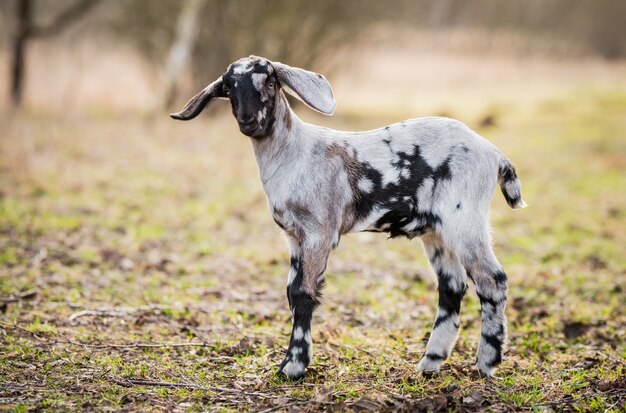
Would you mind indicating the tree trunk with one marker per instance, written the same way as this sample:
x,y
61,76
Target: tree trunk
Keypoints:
x,y
26,30
186,33
20,36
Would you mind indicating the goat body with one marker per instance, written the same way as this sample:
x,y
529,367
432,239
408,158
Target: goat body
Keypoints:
x,y
429,177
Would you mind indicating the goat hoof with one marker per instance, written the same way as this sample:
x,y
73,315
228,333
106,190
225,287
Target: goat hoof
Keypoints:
x,y
428,366
291,370
488,373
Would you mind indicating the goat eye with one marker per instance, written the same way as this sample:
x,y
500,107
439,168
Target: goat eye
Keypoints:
x,y
270,85
226,90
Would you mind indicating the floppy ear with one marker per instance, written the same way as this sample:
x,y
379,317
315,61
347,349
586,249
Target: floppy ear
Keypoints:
x,y
200,101
309,87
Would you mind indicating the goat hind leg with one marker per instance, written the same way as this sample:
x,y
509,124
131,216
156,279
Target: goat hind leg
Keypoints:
x,y
491,287
452,285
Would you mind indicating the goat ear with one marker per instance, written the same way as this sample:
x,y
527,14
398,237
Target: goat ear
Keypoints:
x,y
309,87
200,101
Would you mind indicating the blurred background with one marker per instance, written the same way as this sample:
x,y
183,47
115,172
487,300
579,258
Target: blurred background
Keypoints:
x,y
119,224
422,53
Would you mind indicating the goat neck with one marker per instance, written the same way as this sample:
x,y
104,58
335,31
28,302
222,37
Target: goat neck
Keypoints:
x,y
285,146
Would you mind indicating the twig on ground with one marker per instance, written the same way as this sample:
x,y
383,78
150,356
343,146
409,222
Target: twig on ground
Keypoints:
x,y
23,388
140,345
32,333
284,406
140,382
293,401
349,347
104,345
116,311
26,295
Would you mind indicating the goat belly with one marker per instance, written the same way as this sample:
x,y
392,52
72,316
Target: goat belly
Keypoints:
x,y
398,218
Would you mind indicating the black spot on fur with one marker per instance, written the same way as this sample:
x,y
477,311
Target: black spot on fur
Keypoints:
x,y
510,200
496,341
399,198
500,278
435,356
279,224
449,298
436,256
458,206
507,174
484,301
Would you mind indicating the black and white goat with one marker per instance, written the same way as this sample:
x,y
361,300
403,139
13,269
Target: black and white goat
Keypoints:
x,y
429,177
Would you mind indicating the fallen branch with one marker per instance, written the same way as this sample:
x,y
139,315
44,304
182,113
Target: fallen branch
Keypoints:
x,y
136,345
26,295
117,311
293,401
283,406
23,388
105,345
140,382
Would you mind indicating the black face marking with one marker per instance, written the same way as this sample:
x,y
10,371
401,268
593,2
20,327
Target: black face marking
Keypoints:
x,y
402,209
247,102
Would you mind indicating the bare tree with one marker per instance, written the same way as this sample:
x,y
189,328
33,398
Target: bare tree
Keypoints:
x,y
180,52
301,32
26,30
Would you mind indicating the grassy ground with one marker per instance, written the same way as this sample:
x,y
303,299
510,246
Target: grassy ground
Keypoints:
x,y
140,269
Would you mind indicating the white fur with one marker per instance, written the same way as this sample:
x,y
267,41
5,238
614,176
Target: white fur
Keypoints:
x,y
298,334
293,368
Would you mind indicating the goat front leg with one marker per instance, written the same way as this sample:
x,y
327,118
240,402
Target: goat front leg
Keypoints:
x,y
306,279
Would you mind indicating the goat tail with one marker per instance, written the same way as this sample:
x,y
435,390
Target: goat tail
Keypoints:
x,y
510,185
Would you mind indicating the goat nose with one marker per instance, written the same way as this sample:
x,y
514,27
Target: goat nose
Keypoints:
x,y
246,119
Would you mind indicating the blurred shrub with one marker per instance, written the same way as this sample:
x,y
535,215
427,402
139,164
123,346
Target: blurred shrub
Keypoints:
x,y
596,26
299,32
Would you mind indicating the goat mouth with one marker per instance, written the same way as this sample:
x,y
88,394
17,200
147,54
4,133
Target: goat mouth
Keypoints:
x,y
249,129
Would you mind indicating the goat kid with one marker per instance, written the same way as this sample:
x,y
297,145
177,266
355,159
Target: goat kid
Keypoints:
x,y
429,177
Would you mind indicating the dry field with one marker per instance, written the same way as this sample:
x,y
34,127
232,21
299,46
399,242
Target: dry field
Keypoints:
x,y
141,270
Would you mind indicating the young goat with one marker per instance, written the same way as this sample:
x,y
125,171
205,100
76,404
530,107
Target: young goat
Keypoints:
x,y
429,177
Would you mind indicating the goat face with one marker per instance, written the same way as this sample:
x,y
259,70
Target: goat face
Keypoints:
x,y
251,85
